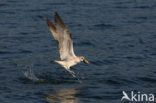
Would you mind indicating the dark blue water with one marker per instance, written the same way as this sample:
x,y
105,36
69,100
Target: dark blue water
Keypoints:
x,y
118,37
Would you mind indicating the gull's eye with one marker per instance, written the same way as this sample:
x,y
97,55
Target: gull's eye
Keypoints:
x,y
81,58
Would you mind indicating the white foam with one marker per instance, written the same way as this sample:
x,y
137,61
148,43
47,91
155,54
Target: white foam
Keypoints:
x,y
30,74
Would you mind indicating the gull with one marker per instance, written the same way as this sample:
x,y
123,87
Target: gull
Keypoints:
x,y
65,44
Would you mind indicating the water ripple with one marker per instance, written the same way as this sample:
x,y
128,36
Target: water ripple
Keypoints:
x,y
148,79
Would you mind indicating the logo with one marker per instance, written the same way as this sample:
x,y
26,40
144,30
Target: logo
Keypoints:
x,y
137,97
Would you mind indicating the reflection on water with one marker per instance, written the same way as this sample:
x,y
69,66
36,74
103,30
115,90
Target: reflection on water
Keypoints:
x,y
63,95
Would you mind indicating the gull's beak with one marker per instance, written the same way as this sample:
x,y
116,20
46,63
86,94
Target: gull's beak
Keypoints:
x,y
85,61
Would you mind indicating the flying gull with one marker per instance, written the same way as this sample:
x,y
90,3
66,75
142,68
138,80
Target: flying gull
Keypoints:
x,y
65,44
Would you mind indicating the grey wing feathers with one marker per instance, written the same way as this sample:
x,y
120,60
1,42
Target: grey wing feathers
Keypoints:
x,y
63,36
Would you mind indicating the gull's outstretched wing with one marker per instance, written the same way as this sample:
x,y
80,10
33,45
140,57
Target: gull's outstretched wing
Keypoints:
x,y
63,36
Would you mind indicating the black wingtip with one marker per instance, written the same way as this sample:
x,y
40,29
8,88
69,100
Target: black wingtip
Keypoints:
x,y
50,24
48,21
47,18
57,16
58,20
56,13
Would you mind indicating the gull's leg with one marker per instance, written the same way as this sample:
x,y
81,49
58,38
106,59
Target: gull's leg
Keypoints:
x,y
71,72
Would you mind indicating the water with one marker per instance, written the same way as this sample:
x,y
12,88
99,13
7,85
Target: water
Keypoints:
x,y
116,36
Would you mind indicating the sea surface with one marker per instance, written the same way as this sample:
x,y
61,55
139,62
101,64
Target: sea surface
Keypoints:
x,y
117,37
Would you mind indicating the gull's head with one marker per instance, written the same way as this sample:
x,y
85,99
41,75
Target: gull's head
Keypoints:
x,y
83,59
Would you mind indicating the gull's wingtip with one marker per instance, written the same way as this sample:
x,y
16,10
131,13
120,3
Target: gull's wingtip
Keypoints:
x,y
47,20
56,13
57,17
50,24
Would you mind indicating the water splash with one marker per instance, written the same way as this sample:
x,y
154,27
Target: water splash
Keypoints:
x,y
28,73
78,80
